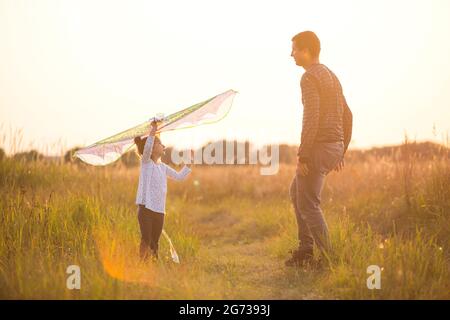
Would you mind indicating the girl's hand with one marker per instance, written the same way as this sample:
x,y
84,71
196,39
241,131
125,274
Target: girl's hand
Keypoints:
x,y
154,126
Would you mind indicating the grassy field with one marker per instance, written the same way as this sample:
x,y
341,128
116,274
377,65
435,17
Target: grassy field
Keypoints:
x,y
232,229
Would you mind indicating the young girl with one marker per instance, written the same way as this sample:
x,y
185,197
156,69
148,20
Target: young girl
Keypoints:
x,y
152,189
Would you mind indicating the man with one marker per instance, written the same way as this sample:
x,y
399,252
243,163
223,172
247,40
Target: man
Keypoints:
x,y
326,134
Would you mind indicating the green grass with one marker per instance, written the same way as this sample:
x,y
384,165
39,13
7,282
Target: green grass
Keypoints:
x,y
232,229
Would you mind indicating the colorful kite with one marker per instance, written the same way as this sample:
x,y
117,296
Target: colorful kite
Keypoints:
x,y
110,149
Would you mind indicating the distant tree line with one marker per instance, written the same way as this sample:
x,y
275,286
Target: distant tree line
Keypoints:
x,y
287,153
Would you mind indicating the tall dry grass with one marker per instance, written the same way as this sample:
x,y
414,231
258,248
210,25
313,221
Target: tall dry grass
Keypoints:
x,y
232,229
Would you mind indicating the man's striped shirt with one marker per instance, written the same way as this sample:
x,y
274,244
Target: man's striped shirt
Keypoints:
x,y
326,115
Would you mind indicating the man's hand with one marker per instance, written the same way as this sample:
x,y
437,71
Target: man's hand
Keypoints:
x,y
339,166
302,168
153,129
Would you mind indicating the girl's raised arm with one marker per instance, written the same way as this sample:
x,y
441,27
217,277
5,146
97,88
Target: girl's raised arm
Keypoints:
x,y
146,155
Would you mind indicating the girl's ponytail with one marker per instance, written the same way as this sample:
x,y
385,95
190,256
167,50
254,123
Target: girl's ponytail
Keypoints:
x,y
140,143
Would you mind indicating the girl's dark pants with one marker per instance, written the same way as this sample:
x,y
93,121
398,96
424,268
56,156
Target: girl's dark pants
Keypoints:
x,y
151,225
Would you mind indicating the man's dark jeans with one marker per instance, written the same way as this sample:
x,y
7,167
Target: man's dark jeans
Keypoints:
x,y
305,194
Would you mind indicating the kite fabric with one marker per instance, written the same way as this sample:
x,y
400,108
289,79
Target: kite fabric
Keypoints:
x,y
110,149
173,253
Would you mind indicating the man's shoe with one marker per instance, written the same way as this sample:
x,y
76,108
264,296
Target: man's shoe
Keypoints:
x,y
300,257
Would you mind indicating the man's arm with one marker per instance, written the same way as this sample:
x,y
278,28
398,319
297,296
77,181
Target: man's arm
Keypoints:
x,y
347,120
310,125
347,123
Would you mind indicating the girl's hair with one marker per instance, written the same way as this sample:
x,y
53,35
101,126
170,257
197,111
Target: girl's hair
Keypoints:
x,y
140,143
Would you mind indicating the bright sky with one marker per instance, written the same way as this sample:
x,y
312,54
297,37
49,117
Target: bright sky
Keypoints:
x,y
75,72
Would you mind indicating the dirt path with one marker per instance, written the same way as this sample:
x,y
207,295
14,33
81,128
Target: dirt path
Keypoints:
x,y
247,264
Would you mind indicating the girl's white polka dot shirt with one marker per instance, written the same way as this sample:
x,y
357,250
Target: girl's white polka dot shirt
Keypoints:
x,y
152,188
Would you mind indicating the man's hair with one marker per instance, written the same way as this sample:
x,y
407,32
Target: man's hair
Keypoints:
x,y
308,40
